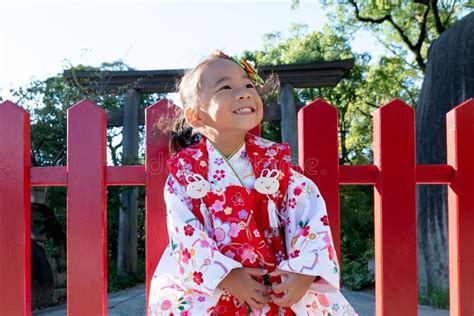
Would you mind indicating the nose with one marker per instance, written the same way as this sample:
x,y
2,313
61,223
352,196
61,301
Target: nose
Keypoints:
x,y
243,94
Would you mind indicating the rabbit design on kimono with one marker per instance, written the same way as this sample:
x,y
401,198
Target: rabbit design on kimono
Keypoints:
x,y
267,184
197,188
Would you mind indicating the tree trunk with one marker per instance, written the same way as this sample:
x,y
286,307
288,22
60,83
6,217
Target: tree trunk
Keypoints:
x,y
449,81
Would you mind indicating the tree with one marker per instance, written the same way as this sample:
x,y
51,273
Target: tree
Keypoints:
x,y
367,87
47,102
407,30
403,27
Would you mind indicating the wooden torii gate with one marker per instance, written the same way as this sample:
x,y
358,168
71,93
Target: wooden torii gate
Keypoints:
x,y
308,75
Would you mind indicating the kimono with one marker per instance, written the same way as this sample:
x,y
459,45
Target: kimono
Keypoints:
x,y
249,210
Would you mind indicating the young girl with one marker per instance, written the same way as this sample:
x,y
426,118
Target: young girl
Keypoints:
x,y
248,235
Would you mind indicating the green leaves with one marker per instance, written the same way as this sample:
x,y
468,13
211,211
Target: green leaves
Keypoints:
x,y
406,28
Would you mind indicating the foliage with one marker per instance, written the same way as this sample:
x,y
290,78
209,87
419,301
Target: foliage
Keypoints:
x,y
405,28
48,102
368,86
355,275
436,297
116,282
357,243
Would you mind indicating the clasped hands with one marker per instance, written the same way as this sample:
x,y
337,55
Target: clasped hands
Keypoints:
x,y
240,283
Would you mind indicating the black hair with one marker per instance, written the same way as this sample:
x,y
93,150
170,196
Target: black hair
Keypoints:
x,y
181,134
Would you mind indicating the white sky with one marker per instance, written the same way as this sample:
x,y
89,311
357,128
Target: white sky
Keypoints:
x,y
38,37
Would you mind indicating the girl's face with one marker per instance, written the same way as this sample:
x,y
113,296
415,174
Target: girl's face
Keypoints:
x,y
229,101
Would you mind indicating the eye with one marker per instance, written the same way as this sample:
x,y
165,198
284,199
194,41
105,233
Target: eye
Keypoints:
x,y
225,87
250,86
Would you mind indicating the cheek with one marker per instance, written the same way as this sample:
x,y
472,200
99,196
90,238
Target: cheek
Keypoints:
x,y
213,109
219,110
259,101
260,110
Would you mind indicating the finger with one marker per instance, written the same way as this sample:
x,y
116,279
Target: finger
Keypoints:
x,y
278,272
254,304
259,297
256,272
281,301
268,290
259,286
293,298
282,287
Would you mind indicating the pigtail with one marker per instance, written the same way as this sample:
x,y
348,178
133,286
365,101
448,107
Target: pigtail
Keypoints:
x,y
182,135
174,125
270,86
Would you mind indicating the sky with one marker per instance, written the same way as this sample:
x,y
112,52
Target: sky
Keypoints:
x,y
39,39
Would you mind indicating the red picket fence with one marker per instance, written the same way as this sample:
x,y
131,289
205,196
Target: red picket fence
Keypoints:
x,y
394,176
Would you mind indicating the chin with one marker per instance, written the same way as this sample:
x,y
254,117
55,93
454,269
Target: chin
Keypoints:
x,y
249,125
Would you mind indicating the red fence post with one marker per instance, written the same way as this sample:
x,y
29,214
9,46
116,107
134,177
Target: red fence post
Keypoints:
x,y
156,155
395,210
86,210
15,242
460,155
318,155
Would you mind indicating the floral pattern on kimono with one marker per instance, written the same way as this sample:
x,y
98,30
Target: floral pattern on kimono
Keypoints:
x,y
186,278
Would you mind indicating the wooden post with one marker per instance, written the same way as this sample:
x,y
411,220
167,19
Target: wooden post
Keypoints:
x,y
86,210
289,132
127,235
460,154
156,155
396,291
319,157
15,214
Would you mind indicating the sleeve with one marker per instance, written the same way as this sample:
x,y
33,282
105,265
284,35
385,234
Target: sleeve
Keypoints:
x,y
308,235
200,264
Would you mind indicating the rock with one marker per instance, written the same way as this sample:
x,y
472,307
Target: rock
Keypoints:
x,y
449,81
41,278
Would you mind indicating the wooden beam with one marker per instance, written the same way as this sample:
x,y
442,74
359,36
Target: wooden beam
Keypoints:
x,y
309,75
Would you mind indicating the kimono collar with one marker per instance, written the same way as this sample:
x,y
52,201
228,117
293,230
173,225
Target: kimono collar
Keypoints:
x,y
261,153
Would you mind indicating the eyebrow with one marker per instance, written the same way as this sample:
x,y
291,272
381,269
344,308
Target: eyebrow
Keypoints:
x,y
228,78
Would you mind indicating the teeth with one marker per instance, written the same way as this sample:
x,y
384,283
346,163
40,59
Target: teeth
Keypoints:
x,y
244,110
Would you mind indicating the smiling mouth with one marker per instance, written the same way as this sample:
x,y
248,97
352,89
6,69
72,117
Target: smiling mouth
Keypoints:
x,y
244,110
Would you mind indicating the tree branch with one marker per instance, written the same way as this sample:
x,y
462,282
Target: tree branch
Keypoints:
x,y
364,113
410,95
403,59
113,151
34,162
449,14
372,104
413,47
439,26
59,155
421,38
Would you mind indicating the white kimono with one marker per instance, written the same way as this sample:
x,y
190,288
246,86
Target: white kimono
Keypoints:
x,y
178,289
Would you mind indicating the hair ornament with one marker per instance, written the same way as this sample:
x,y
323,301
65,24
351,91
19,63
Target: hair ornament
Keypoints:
x,y
245,64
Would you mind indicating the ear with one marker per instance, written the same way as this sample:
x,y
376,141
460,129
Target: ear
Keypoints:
x,y
277,173
193,117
